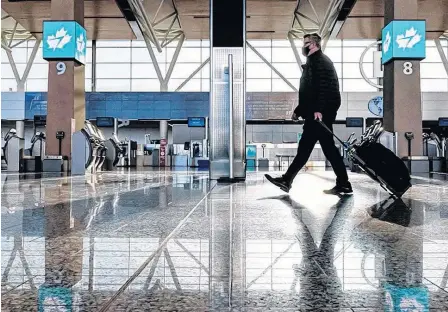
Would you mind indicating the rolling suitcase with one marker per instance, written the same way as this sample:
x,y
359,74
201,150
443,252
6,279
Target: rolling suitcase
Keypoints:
x,y
377,161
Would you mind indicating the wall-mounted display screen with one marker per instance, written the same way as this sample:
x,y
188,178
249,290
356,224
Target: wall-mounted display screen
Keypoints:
x,y
104,121
354,122
40,120
196,122
443,122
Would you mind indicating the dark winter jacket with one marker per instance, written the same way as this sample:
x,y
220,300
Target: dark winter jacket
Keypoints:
x,y
319,87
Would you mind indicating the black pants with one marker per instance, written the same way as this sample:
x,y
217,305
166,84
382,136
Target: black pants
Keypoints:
x,y
313,131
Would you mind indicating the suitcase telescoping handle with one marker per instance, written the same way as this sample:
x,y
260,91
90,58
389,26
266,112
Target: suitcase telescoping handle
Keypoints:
x,y
337,138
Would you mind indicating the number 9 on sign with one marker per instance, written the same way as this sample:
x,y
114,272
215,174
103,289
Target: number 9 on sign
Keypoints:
x,y
61,67
407,68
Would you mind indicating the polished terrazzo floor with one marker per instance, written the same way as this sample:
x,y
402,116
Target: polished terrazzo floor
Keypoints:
x,y
174,241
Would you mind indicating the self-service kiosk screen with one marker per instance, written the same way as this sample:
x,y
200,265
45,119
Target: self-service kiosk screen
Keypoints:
x,y
104,121
40,120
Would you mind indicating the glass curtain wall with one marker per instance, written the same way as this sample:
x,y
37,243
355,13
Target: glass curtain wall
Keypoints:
x,y
127,66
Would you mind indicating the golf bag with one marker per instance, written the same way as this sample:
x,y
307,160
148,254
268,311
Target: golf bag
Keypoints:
x,y
377,161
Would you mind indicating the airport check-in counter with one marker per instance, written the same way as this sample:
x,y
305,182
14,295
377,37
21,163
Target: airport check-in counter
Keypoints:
x,y
281,155
276,144
10,151
190,146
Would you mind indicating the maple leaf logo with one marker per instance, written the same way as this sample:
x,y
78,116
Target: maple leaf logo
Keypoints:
x,y
409,39
59,40
80,44
386,43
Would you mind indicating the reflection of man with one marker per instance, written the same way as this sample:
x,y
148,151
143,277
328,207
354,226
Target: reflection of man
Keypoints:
x,y
319,99
320,286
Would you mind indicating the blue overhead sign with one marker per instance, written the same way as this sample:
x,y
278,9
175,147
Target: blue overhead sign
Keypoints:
x,y
64,40
404,39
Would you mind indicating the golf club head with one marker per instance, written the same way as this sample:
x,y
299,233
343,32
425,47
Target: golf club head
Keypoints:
x,y
434,136
350,137
378,133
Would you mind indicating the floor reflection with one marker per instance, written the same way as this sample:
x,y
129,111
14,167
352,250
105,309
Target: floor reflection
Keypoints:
x,y
175,241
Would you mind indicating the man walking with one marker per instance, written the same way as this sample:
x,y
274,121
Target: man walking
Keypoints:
x,y
319,100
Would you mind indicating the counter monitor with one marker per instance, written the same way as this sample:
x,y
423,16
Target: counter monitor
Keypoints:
x,y
196,122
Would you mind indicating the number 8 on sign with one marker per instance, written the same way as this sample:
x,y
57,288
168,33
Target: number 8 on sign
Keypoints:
x,y
61,67
407,68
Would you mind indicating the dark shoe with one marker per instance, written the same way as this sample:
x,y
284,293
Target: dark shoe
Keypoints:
x,y
280,182
340,190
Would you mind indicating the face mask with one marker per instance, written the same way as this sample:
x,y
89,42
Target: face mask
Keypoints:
x,y
306,50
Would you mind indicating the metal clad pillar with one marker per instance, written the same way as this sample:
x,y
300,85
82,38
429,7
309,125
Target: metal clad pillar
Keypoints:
x,y
402,92
227,90
66,84
163,126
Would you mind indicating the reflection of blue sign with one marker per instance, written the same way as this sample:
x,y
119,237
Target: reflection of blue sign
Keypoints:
x,y
55,299
251,152
64,40
404,39
376,106
299,136
404,299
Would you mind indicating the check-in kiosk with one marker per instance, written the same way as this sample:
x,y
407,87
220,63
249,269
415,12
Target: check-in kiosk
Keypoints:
x,y
356,126
114,152
198,148
151,153
11,151
129,159
436,166
32,157
99,148
86,144
101,156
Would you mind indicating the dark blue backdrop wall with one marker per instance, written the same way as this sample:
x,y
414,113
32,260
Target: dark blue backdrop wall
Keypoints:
x,y
166,105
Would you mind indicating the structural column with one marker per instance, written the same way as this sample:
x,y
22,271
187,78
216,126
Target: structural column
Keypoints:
x,y
227,90
66,86
402,92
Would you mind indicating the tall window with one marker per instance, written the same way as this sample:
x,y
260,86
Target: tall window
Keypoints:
x,y
126,66
38,76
